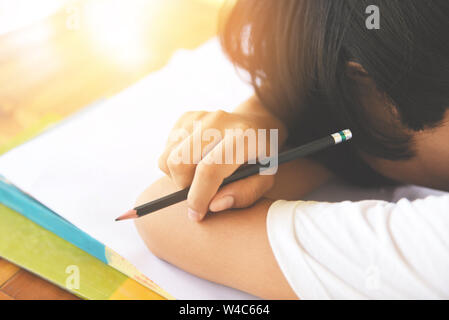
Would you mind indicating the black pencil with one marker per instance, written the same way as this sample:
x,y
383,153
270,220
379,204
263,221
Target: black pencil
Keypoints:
x,y
242,173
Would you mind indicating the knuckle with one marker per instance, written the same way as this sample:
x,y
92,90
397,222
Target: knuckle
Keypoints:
x,y
200,114
205,171
174,165
193,115
243,125
187,114
162,164
218,115
180,173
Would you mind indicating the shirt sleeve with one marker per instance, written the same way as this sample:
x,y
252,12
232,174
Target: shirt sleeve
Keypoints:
x,y
363,250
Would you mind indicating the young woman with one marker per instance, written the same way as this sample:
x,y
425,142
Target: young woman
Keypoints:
x,y
317,69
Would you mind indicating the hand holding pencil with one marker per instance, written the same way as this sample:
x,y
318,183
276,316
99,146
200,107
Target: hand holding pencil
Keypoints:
x,y
203,179
246,172
208,184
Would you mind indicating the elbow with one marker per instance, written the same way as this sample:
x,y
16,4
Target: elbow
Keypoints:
x,y
162,231
150,233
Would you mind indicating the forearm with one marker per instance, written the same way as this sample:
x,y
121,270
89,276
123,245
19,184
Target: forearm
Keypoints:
x,y
217,249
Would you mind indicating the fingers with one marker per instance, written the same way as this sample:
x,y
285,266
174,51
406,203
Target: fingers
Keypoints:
x,y
209,175
197,156
184,158
181,170
206,182
241,194
176,138
194,136
211,172
180,132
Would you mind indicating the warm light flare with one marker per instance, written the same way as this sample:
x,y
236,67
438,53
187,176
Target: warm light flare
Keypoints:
x,y
117,28
16,14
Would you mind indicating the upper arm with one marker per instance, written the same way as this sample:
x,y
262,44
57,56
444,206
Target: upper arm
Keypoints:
x,y
369,249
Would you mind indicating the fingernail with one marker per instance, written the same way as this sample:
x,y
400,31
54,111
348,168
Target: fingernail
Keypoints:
x,y
222,204
193,215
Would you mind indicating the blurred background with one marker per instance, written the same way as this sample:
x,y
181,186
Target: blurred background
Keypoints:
x,y
57,56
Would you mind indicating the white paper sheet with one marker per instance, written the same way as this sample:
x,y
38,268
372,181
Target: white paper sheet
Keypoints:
x,y
91,168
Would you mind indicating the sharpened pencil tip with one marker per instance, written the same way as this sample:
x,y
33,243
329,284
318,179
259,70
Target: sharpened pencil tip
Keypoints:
x,y
131,214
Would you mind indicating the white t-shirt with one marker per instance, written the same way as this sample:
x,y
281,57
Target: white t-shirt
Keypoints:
x,y
363,250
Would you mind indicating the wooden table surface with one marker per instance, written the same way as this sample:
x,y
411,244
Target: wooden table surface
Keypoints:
x,y
57,66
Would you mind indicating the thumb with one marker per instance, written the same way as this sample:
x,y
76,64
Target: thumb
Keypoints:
x,y
242,193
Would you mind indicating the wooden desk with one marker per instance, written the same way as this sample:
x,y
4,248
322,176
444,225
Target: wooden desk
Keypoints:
x,y
55,67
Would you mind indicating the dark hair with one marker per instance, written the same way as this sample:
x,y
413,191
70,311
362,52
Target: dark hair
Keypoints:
x,y
297,53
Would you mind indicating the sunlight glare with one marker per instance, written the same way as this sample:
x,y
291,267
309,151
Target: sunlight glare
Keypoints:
x,y
16,14
117,28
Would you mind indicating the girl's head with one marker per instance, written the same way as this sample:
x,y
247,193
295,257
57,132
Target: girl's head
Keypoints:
x,y
316,59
